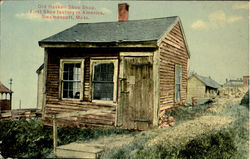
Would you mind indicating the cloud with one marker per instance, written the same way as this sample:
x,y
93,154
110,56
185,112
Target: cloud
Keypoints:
x,y
30,16
199,24
233,19
215,20
243,5
106,10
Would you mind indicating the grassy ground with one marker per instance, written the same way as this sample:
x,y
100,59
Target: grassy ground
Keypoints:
x,y
205,131
219,130
30,139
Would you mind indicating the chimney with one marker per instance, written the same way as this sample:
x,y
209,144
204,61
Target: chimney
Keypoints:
x,y
123,12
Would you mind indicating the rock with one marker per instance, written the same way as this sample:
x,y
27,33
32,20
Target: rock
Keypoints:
x,y
170,118
171,123
164,125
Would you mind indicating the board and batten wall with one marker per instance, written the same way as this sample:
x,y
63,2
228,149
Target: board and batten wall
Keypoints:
x,y
173,52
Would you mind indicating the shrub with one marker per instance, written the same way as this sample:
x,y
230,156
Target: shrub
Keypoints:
x,y
211,145
25,138
223,134
187,113
68,135
29,138
245,100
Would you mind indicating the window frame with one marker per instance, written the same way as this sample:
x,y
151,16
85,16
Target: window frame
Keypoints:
x,y
176,66
71,61
103,60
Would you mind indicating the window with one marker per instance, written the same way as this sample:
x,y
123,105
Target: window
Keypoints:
x,y
177,82
71,79
103,83
104,80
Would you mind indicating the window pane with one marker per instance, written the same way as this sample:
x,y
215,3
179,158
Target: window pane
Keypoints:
x,y
65,75
71,80
104,72
71,90
103,91
178,91
178,83
103,82
178,74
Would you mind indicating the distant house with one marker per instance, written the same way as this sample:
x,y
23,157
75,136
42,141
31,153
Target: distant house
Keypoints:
x,y
201,87
40,83
5,98
234,82
246,80
235,86
137,68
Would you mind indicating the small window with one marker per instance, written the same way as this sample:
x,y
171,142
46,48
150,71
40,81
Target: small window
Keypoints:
x,y
177,82
72,79
104,79
103,84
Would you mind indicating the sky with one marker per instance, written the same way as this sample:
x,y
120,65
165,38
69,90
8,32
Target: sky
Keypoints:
x,y
217,34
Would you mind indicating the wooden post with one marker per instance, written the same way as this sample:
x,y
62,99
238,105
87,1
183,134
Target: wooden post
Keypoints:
x,y
44,82
156,78
54,134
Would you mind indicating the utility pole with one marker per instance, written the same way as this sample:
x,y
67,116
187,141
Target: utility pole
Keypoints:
x,y
20,103
10,92
10,83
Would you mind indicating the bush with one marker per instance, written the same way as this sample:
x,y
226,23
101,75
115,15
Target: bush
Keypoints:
x,y
68,135
29,138
25,138
212,145
228,141
245,100
188,113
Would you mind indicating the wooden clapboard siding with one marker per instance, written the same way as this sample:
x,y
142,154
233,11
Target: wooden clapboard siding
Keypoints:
x,y
173,51
55,105
196,88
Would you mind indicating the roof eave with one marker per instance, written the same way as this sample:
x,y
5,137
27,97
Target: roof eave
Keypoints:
x,y
130,44
204,82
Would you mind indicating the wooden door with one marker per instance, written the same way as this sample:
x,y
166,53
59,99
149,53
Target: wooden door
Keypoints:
x,y
136,92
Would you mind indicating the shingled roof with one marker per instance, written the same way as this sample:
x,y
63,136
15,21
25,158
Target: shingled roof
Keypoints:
x,y
207,81
106,32
4,89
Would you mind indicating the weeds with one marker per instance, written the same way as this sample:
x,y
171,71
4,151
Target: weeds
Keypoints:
x,y
199,133
31,139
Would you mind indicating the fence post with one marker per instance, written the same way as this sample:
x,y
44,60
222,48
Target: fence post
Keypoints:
x,y
54,133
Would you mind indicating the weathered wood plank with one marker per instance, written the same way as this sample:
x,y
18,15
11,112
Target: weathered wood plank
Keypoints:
x,y
95,111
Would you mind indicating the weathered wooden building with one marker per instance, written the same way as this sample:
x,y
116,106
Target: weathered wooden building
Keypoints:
x,y
136,68
5,98
40,83
246,80
201,87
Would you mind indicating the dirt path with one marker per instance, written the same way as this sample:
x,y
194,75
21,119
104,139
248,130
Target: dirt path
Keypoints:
x,y
112,141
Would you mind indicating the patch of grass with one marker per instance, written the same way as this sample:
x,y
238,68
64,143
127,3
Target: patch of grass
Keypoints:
x,y
29,138
211,145
68,135
198,134
187,113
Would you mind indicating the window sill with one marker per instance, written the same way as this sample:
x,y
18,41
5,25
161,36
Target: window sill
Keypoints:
x,y
71,99
104,102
